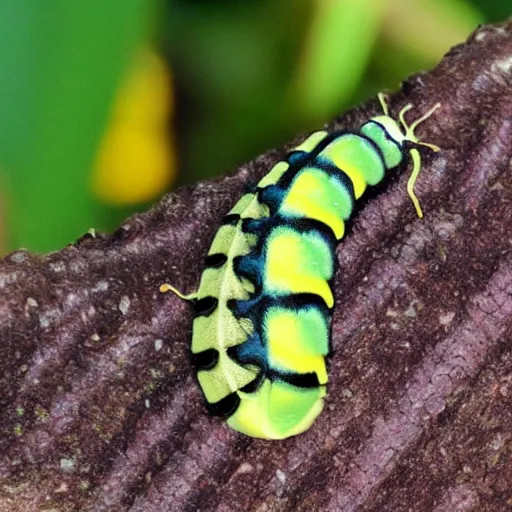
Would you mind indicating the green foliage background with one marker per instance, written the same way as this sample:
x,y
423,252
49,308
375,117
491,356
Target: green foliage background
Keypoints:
x,y
247,75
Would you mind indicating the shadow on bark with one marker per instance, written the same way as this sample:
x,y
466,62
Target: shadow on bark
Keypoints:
x,y
99,407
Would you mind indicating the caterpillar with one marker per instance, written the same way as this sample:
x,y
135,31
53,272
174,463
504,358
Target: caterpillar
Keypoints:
x,y
261,332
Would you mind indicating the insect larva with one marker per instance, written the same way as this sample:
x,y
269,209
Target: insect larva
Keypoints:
x,y
264,303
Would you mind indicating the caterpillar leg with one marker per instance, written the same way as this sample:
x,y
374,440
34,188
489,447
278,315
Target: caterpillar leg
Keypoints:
x,y
409,129
416,168
383,103
415,155
166,287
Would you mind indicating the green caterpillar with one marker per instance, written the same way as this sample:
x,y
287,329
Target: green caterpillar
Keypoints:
x,y
263,307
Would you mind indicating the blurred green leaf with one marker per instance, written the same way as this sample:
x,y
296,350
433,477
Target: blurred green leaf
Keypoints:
x,y
60,64
409,27
232,62
336,54
495,10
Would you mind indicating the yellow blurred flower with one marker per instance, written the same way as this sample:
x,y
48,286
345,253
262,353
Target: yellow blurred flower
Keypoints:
x,y
136,161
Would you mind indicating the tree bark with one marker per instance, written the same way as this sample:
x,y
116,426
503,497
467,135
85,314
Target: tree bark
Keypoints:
x,y
100,409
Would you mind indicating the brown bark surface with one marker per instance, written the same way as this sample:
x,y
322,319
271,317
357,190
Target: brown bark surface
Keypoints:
x,y
99,408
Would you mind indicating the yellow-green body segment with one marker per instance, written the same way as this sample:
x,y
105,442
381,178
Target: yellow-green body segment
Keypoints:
x,y
263,308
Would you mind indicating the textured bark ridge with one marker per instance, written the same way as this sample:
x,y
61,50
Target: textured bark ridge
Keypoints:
x,y
99,406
